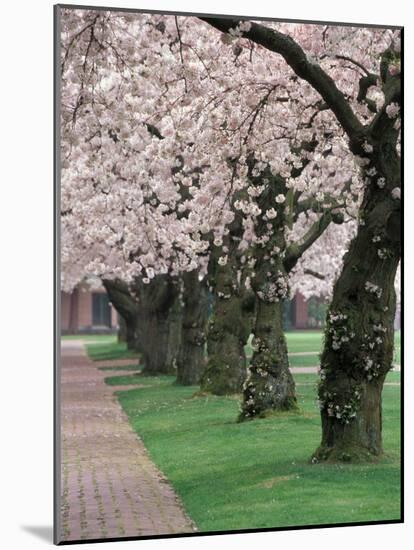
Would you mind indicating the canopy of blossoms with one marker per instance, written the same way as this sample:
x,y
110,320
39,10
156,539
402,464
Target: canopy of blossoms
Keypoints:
x,y
164,123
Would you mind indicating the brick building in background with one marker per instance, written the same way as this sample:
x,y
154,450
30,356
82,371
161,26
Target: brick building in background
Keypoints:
x,y
87,311
297,310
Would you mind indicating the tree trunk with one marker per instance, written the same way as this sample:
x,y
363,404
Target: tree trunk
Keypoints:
x,y
158,320
132,333
122,329
128,332
127,308
192,361
175,321
358,351
359,337
74,311
346,438
226,368
228,331
269,385
157,335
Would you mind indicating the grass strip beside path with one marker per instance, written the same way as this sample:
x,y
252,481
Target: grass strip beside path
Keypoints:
x,y
101,338
109,351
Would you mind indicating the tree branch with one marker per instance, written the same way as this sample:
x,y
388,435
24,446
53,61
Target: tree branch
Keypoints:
x,y
354,62
312,204
295,250
181,52
315,274
121,298
306,69
382,122
365,82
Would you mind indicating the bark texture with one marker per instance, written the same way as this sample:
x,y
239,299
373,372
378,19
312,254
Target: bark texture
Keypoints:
x,y
74,311
175,319
191,359
159,324
127,308
122,329
228,331
358,350
359,337
269,385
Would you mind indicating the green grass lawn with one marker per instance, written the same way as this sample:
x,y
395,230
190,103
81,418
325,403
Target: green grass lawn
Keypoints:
x,y
107,351
101,338
257,474
304,340
311,360
301,341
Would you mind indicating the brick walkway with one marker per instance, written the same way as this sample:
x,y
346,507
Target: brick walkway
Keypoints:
x,y
110,487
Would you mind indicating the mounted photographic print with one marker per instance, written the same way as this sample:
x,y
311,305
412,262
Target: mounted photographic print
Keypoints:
x,y
228,236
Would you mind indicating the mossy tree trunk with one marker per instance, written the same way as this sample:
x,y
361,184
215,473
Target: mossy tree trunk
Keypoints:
x,y
269,385
155,330
228,330
158,319
358,352
359,337
191,359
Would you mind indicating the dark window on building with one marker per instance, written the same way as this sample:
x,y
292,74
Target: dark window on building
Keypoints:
x,y
101,310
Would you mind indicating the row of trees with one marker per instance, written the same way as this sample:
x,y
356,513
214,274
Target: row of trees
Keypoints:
x,y
217,164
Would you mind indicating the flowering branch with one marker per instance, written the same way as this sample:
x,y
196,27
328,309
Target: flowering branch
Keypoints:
x,y
295,250
306,69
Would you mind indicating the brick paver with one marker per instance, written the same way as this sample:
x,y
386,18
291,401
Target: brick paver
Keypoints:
x,y
110,487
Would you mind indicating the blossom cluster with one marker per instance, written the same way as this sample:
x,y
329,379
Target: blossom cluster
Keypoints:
x,y
372,288
338,330
343,408
274,290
